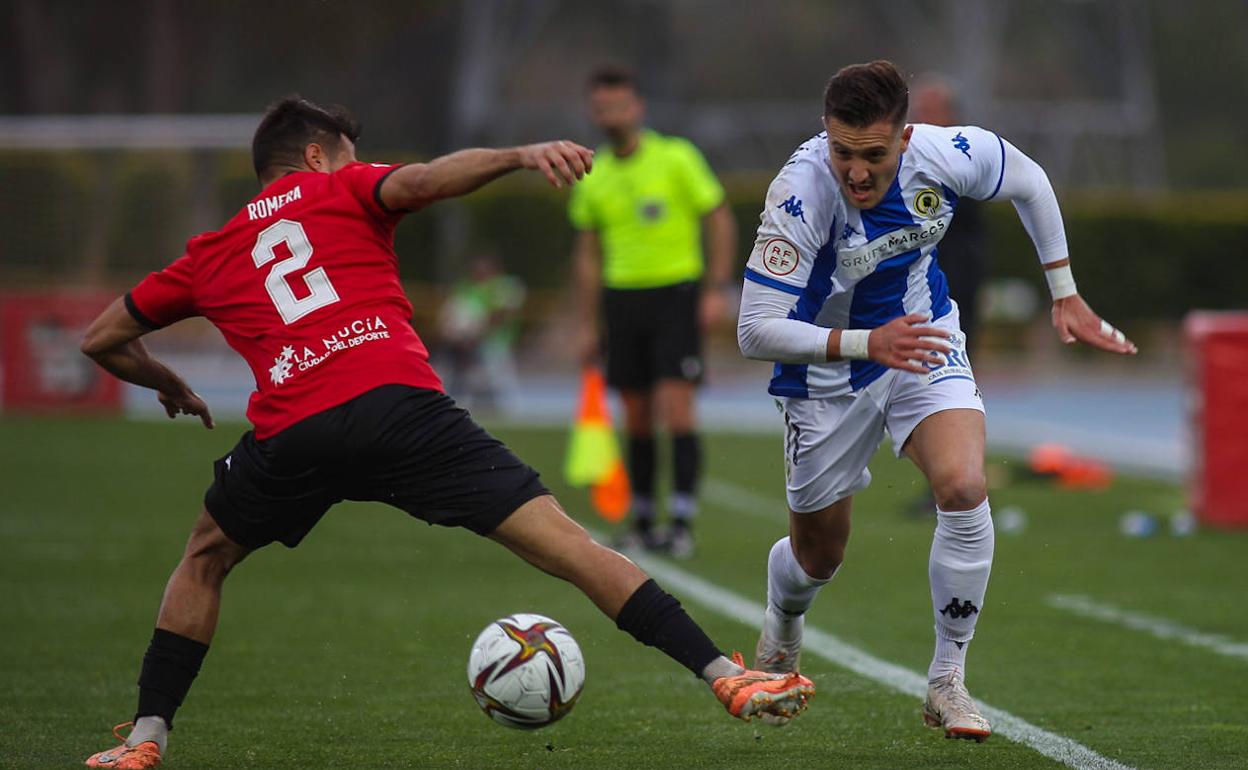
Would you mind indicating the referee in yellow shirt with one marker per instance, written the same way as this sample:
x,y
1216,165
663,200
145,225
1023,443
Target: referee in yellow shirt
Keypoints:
x,y
639,265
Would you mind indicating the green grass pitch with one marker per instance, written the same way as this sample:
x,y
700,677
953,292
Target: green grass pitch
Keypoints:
x,y
350,651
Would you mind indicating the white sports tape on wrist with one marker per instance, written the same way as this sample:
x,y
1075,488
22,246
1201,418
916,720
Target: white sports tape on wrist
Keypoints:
x,y
854,344
1061,282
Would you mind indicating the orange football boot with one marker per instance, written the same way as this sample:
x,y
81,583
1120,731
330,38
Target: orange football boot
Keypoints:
x,y
126,757
776,698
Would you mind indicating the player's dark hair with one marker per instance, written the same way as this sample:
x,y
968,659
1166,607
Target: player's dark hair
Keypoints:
x,y
291,124
862,94
612,76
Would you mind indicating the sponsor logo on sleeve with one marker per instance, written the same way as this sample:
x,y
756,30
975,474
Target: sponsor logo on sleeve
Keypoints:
x,y
927,201
780,257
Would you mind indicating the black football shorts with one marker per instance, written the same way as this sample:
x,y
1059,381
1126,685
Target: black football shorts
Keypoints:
x,y
409,447
652,335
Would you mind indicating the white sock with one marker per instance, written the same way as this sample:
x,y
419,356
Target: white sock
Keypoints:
x,y
789,588
958,568
950,656
720,667
643,511
150,728
683,506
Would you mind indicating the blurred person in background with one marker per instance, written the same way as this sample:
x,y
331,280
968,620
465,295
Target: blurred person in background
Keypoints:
x,y
639,267
479,325
850,303
934,100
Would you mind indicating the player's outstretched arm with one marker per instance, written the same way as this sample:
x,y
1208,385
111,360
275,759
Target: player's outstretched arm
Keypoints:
x,y
417,185
1024,183
112,341
1075,321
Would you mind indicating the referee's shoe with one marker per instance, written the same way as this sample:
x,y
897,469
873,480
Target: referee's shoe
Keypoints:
x,y
640,538
675,541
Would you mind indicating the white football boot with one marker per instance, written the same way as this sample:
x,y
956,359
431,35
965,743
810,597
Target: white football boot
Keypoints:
x,y
949,706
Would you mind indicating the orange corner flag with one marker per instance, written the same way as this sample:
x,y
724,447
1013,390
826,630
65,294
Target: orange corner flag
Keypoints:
x,y
593,457
612,497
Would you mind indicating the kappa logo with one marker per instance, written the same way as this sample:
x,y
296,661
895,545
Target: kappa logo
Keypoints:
x,y
848,232
793,207
963,610
962,143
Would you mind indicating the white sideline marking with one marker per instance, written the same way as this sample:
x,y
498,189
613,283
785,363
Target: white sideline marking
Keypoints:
x,y
1068,752
725,494
1158,627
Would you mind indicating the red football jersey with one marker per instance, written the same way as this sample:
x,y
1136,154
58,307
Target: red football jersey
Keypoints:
x,y
303,282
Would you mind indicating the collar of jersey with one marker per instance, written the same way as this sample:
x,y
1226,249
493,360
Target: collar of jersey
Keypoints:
x,y
643,140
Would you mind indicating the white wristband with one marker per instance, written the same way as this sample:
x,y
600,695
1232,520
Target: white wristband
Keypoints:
x,y
1061,282
854,344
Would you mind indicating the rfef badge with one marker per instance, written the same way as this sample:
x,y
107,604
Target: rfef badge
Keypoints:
x,y
780,257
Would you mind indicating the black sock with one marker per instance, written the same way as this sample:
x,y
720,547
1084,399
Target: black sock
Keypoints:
x,y
169,667
641,465
655,618
687,459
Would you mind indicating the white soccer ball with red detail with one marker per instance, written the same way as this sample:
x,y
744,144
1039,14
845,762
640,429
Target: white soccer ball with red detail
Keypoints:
x,y
526,671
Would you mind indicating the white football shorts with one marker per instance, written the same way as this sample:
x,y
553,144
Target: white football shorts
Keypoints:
x,y
828,442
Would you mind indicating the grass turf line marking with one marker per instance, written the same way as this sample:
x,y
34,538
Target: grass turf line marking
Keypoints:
x,y
736,498
1069,752
1161,628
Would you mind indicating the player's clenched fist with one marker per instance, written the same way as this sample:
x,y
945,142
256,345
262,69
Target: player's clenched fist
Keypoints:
x,y
906,343
562,162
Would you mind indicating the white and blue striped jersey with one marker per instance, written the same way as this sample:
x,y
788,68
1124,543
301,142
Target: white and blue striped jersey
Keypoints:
x,y
859,269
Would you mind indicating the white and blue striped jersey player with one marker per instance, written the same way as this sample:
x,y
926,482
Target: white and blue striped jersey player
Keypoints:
x,y
819,264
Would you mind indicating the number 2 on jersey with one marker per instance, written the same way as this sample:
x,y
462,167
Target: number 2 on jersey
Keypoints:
x,y
322,292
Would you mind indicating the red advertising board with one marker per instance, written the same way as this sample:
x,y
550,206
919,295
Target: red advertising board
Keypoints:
x,y
1218,343
43,369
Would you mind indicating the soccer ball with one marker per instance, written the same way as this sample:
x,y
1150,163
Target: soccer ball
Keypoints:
x,y
525,671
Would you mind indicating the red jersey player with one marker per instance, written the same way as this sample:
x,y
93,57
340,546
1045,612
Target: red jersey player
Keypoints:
x,y
303,283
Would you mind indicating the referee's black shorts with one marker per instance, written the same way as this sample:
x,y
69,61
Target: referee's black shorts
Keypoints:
x,y
409,447
652,335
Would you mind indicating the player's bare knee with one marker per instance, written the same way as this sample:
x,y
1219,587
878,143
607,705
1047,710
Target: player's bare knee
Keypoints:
x,y
210,563
822,569
959,491
820,561
210,555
